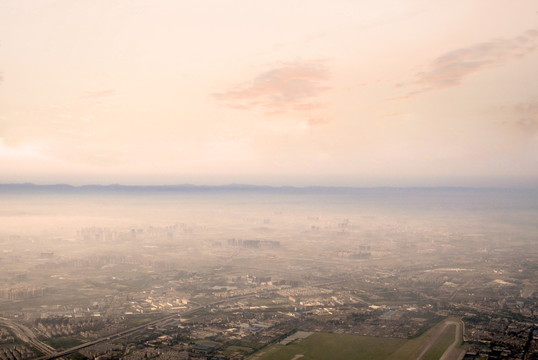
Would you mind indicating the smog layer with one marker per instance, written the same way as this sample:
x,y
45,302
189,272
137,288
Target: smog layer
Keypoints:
x,y
236,272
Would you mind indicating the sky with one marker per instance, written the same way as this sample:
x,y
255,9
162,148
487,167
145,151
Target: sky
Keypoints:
x,y
292,92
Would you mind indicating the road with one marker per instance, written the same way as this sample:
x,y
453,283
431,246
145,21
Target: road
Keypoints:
x,y
27,336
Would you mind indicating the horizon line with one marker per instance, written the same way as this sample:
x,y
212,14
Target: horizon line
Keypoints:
x,y
239,186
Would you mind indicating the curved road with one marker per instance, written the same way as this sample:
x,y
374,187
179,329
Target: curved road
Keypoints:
x,y
27,336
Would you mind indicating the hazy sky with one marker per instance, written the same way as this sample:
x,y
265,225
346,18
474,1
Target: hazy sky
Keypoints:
x,y
273,92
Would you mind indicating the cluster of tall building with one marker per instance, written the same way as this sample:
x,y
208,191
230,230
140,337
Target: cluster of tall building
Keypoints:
x,y
20,293
254,244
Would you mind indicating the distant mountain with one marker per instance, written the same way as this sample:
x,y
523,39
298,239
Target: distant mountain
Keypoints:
x,y
117,188
33,187
28,187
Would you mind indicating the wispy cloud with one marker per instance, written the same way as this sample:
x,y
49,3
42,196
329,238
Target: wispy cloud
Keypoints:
x,y
452,67
526,117
318,121
288,87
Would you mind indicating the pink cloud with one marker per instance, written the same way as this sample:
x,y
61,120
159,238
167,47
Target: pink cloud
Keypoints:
x,y
288,87
318,121
452,67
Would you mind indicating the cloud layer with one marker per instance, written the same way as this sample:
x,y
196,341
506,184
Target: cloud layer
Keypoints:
x,y
292,86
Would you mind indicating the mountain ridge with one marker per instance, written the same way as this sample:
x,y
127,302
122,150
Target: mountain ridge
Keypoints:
x,y
229,187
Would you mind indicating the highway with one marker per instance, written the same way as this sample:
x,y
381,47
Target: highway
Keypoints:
x,y
27,336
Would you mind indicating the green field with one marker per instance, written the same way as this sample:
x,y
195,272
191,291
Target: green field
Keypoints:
x,y
442,344
334,346
320,346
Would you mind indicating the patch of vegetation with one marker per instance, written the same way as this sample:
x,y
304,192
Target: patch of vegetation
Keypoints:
x,y
413,347
136,320
336,346
77,356
442,344
63,342
241,349
251,345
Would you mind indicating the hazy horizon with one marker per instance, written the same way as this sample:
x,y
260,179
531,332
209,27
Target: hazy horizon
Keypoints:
x,y
262,186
